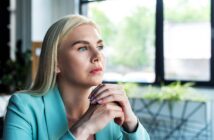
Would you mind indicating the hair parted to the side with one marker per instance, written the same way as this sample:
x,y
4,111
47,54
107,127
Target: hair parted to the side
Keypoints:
x,y
46,73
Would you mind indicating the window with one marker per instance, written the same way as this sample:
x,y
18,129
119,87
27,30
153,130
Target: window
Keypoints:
x,y
187,40
155,41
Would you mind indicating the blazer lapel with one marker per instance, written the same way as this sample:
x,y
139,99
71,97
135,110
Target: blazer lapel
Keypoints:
x,y
55,114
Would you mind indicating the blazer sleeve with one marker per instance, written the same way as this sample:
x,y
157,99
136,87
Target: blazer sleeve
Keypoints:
x,y
139,134
68,136
17,125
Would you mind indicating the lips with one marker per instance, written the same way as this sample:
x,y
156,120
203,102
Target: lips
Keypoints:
x,y
96,70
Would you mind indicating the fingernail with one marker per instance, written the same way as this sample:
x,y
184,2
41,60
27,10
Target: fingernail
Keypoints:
x,y
93,101
100,101
94,90
92,98
89,96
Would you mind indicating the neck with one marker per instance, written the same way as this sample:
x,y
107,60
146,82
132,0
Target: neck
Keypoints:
x,y
75,99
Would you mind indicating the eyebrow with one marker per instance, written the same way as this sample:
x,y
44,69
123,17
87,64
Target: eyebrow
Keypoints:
x,y
84,42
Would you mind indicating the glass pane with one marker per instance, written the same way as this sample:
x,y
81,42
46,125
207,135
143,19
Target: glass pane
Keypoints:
x,y
187,40
128,29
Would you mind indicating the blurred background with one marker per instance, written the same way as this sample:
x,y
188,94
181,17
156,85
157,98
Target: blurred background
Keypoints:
x,y
161,50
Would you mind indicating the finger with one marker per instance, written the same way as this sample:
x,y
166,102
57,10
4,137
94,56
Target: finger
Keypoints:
x,y
103,93
105,87
115,114
95,90
105,90
108,93
120,98
100,89
111,106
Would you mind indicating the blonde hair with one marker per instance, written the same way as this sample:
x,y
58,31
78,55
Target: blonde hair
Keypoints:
x,y
46,73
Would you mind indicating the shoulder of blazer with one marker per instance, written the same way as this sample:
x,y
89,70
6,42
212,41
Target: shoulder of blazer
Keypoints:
x,y
27,103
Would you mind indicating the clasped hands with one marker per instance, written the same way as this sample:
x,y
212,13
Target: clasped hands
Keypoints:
x,y
108,102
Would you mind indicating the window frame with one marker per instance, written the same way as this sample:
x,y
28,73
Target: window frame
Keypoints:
x,y
159,45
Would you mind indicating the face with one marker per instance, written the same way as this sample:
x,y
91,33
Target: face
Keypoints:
x,y
80,57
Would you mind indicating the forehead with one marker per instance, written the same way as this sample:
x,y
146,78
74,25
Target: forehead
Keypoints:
x,y
85,31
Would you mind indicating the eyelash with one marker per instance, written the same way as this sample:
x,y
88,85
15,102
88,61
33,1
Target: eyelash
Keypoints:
x,y
99,47
79,49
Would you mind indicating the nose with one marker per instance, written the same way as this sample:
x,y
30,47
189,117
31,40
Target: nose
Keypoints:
x,y
96,56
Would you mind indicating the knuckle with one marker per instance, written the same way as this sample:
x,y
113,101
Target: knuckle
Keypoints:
x,y
107,89
107,106
103,85
109,112
113,96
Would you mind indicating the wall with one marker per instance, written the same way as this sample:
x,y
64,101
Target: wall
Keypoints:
x,y
45,12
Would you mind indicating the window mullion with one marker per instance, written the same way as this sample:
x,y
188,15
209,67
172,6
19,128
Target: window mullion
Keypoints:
x,y
212,41
159,59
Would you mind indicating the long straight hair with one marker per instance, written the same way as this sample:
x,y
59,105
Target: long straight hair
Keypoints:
x,y
46,73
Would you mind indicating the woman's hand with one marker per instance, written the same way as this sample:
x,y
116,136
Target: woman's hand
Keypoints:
x,y
107,93
96,118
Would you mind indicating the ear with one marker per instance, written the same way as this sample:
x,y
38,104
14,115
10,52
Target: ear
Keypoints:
x,y
57,70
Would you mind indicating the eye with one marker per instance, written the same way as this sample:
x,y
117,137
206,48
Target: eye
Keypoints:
x,y
100,47
81,49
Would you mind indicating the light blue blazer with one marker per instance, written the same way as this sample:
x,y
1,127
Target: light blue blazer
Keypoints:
x,y
44,118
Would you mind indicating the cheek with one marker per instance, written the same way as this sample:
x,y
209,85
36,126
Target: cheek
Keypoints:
x,y
73,63
64,62
103,60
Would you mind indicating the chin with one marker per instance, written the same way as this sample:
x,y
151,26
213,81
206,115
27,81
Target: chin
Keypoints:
x,y
95,82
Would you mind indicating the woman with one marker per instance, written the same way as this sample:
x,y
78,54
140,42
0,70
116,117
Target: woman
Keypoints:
x,y
63,102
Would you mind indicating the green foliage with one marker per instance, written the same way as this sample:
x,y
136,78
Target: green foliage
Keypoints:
x,y
16,73
130,88
174,92
135,37
184,11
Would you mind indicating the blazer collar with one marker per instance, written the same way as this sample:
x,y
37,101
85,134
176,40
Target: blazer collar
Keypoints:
x,y
57,124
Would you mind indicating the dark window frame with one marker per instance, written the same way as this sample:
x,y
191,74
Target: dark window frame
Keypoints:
x,y
159,45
